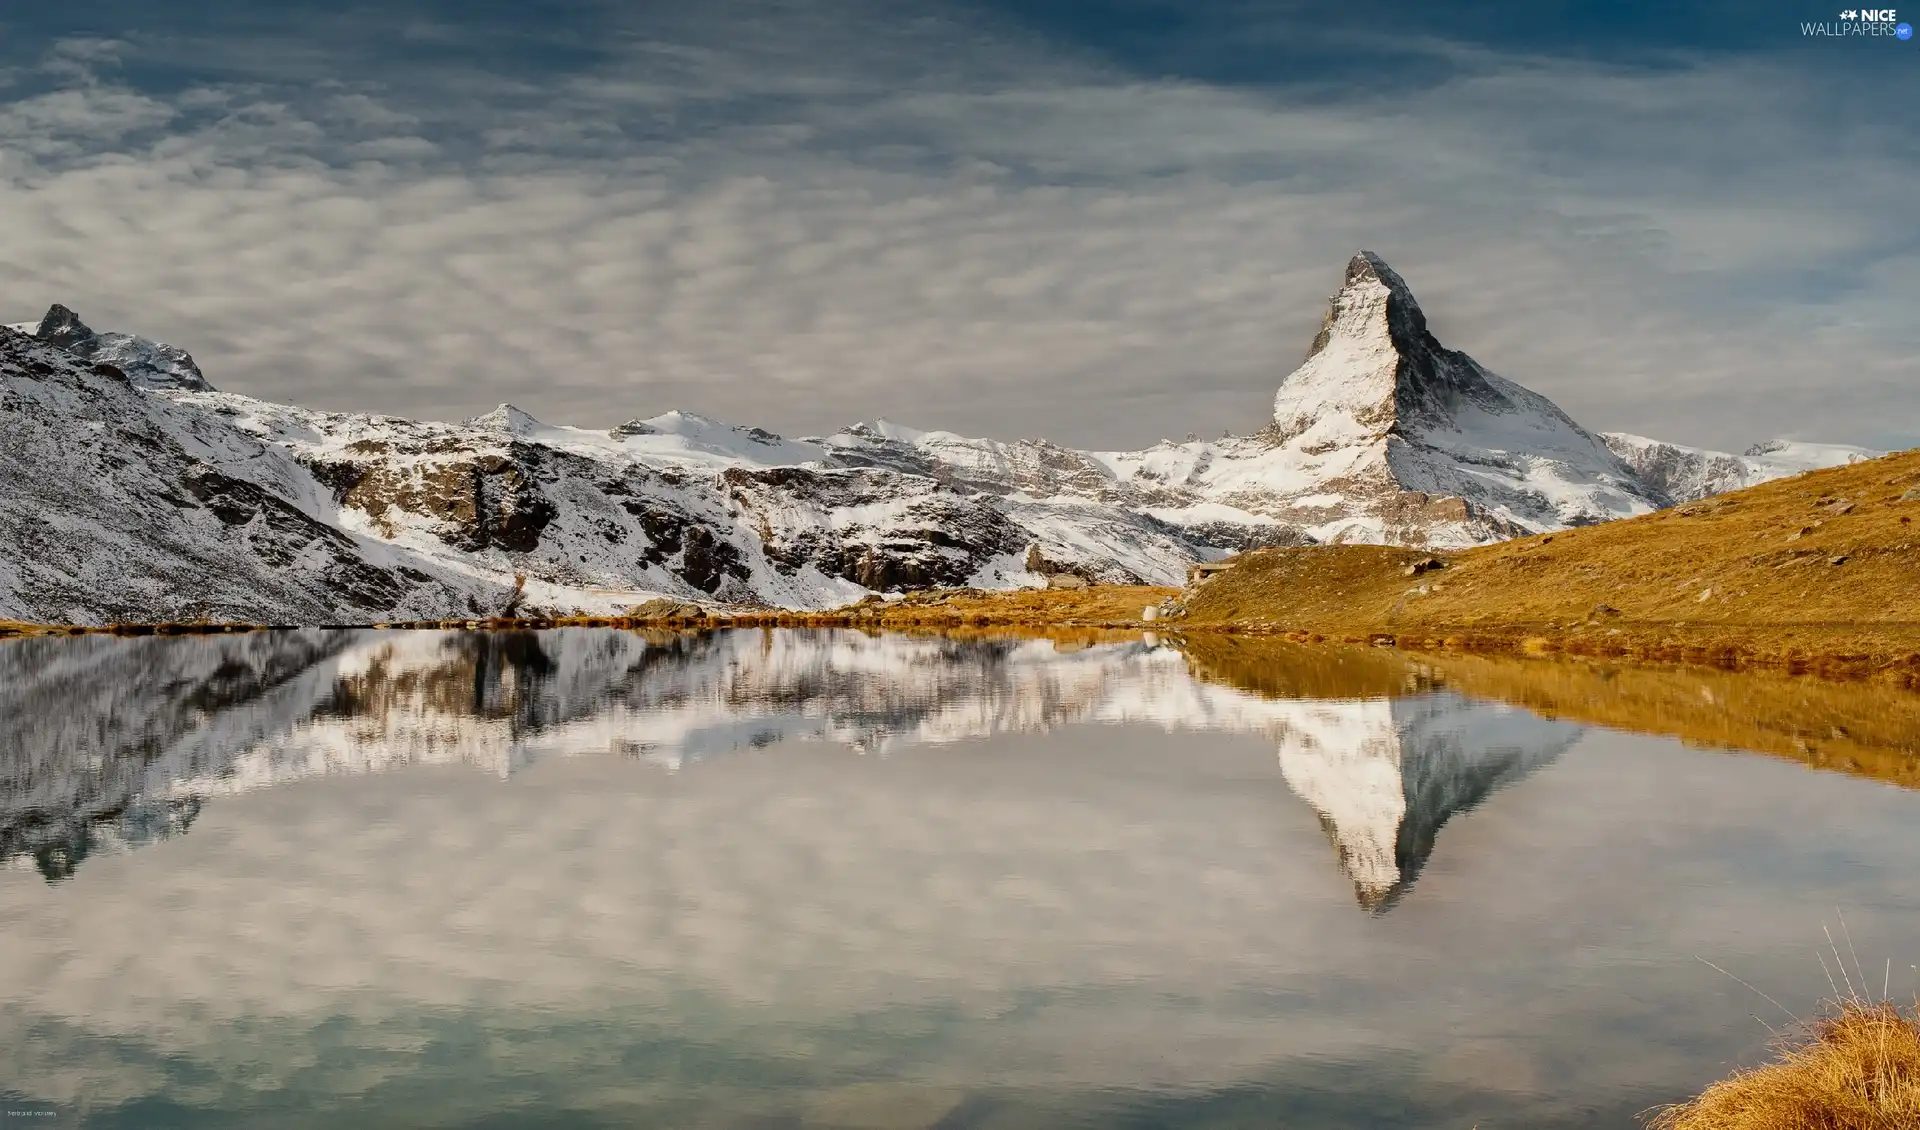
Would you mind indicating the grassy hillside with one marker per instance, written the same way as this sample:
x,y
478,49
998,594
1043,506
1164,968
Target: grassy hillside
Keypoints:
x,y
1819,572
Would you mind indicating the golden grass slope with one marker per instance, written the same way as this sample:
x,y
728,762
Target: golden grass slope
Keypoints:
x,y
1857,1068
1817,571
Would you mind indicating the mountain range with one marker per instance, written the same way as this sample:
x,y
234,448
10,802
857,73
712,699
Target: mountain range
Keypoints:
x,y
131,489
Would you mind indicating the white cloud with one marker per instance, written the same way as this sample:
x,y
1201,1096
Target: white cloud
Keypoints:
x,y
953,226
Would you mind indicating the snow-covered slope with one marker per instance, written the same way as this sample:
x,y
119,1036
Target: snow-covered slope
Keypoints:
x,y
1689,473
131,489
117,503
117,742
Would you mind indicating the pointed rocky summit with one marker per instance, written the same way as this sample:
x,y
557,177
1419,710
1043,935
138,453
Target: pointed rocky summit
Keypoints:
x,y
1404,423
63,329
1374,368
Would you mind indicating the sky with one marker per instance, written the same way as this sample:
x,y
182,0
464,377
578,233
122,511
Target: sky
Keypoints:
x,y
1100,221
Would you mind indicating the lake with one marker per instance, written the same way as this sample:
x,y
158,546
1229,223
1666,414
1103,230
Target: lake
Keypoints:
x,y
593,878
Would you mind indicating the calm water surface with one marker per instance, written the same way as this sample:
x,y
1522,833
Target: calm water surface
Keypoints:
x,y
823,879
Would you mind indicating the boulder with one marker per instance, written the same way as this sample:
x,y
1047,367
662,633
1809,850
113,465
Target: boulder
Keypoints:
x,y
666,608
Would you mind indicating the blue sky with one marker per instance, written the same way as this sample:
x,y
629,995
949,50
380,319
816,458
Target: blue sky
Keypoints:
x,y
1104,222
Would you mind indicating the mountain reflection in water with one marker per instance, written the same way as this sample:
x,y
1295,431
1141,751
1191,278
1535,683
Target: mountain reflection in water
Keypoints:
x,y
117,742
833,881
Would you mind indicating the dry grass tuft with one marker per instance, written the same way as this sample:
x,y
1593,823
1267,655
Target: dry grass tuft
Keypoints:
x,y
1857,1068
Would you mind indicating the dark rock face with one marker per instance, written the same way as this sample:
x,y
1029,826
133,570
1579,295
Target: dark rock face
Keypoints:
x,y
480,501
279,534
937,538
509,510
1037,561
707,561
63,329
665,530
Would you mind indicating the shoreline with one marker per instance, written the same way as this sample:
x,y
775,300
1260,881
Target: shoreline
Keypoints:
x,y
1808,576
1833,717
1884,652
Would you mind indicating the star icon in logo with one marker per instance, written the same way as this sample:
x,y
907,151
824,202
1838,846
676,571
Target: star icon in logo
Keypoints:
x,y
1848,14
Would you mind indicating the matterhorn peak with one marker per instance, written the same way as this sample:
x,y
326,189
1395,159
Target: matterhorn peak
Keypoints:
x,y
1380,399
1365,366
1374,301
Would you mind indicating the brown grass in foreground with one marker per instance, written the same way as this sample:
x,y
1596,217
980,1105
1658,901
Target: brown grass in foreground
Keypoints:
x,y
1857,1068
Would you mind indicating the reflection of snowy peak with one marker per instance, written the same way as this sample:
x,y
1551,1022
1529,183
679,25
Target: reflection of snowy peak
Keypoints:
x,y
1385,774
131,489
121,741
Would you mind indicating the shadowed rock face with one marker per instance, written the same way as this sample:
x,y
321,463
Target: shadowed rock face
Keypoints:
x,y
63,329
119,742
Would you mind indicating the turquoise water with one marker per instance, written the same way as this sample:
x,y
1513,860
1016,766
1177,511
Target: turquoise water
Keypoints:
x,y
789,879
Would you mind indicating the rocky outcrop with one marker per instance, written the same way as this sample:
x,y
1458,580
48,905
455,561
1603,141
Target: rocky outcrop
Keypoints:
x,y
149,364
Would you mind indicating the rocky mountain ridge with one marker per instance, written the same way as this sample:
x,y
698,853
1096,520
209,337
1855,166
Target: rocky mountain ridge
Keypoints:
x,y
131,489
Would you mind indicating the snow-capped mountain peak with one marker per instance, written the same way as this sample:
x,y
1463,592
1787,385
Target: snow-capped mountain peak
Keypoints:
x,y
509,419
1406,423
62,327
149,364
